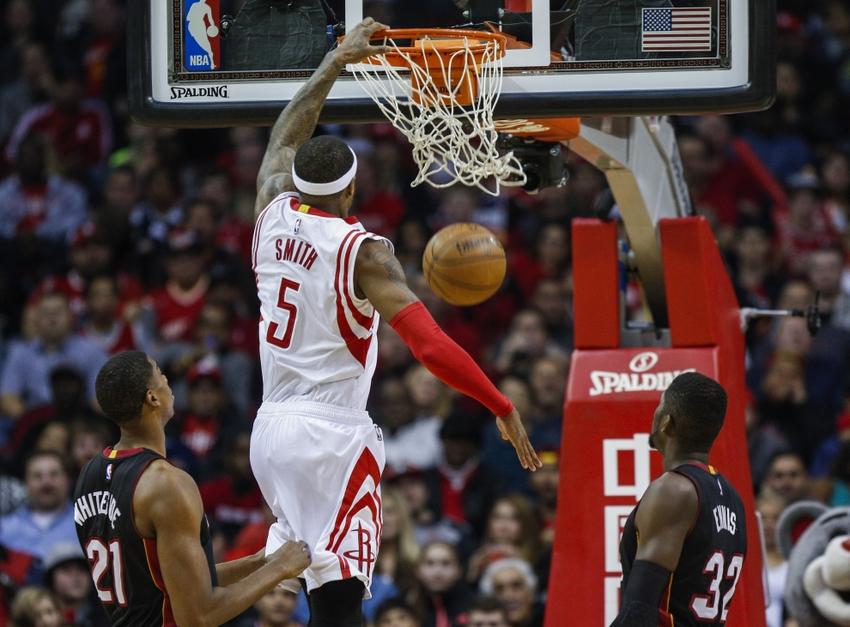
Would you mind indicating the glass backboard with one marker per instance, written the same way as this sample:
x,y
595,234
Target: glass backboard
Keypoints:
x,y
224,62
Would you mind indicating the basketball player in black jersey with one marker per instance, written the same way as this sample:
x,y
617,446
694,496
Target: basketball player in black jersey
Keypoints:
x,y
684,544
141,522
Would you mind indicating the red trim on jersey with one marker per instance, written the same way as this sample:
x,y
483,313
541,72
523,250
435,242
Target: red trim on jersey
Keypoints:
x,y
156,574
312,211
256,244
365,467
111,453
344,570
358,347
706,467
362,320
665,619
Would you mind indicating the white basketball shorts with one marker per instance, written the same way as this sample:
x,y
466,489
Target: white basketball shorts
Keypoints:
x,y
319,467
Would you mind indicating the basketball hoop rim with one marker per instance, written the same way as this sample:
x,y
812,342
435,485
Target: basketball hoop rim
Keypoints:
x,y
403,55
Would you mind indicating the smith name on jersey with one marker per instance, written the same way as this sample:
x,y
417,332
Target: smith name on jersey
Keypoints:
x,y
317,337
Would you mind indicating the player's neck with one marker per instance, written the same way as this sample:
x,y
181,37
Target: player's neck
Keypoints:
x,y
674,458
142,435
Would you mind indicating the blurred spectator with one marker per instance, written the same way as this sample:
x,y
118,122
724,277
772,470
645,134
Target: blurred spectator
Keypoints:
x,y
460,484
68,577
825,268
498,454
805,227
764,442
31,87
378,208
88,439
770,506
544,486
551,259
551,298
548,385
208,419
47,518
525,342
443,595
211,335
839,493
512,531
106,324
233,498
36,607
399,554
80,130
487,612
152,220
36,203
274,609
25,382
428,524
513,582
413,412
90,255
835,173
16,569
68,403
827,454
176,306
787,477
396,613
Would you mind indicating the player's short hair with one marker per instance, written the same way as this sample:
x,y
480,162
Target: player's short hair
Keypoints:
x,y
122,384
697,404
323,159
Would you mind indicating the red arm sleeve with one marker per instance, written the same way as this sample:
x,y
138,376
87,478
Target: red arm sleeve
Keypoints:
x,y
445,359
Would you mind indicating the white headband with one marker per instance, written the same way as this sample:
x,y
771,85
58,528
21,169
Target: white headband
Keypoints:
x,y
325,189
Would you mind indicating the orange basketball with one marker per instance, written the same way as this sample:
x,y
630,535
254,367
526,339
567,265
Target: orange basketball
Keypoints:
x,y
464,264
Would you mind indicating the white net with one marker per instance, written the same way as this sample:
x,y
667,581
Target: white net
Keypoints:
x,y
452,142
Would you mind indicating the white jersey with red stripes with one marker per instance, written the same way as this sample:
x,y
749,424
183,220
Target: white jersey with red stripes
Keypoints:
x,y
317,338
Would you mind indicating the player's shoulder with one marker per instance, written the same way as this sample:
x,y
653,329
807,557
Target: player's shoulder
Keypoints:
x,y
671,491
162,482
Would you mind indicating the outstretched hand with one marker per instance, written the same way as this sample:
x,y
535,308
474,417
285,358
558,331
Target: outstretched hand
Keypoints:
x,y
512,430
356,45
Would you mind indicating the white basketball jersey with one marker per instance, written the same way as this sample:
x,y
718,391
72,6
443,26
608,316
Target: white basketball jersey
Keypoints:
x,y
317,338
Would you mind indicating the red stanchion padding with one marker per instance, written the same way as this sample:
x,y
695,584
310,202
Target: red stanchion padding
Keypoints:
x,y
611,395
596,291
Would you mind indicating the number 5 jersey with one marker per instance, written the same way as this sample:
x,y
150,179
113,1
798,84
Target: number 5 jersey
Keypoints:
x,y
317,337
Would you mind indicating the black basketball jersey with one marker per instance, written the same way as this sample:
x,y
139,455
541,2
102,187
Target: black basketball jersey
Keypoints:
x,y
704,582
124,565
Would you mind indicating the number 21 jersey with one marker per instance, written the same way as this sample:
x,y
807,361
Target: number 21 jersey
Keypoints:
x,y
703,584
317,337
124,565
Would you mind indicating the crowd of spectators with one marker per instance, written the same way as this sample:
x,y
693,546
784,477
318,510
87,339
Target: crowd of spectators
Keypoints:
x,y
116,236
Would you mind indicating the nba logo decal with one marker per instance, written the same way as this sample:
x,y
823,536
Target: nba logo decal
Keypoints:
x,y
109,472
201,37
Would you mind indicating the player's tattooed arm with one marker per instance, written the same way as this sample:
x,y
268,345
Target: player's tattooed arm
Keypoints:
x,y
379,277
297,122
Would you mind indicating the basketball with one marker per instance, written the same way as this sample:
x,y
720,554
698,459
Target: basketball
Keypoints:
x,y
212,30
464,264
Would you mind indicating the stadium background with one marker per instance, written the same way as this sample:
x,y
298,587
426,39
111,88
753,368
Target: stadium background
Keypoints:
x,y
116,236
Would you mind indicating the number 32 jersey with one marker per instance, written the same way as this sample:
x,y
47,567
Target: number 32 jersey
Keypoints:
x,y
317,338
702,587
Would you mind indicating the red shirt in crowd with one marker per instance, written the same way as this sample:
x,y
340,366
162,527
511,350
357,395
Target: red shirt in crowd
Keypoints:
x,y
177,310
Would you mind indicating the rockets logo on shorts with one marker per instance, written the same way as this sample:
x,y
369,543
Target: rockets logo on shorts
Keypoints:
x,y
201,36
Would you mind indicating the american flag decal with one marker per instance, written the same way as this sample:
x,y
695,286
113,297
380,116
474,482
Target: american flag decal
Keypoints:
x,y
676,30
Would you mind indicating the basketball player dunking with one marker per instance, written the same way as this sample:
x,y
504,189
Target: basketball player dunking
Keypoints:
x,y
684,544
141,522
323,283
